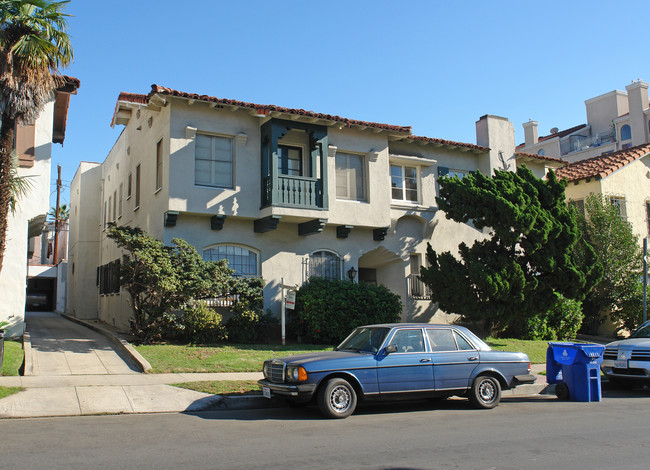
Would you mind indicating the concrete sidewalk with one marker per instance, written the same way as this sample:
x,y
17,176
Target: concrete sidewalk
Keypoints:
x,y
81,368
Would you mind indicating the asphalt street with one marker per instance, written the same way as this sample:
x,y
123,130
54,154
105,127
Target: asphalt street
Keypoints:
x,y
521,433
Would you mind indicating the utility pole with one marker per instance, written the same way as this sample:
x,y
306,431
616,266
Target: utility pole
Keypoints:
x,y
56,215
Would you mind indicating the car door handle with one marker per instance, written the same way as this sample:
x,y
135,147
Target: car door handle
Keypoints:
x,y
424,359
472,358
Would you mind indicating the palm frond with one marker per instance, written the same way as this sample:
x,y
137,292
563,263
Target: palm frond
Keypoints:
x,y
19,186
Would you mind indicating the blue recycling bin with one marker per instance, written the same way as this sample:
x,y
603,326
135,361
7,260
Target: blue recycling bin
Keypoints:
x,y
577,365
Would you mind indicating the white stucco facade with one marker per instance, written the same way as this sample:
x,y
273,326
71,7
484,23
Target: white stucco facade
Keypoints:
x,y
381,231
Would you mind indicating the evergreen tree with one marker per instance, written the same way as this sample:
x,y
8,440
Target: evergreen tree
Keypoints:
x,y
620,291
528,256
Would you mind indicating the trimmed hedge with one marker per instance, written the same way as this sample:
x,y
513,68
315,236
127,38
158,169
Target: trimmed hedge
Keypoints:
x,y
327,311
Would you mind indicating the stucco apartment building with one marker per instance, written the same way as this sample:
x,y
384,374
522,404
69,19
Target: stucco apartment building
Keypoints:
x,y
281,193
33,144
608,155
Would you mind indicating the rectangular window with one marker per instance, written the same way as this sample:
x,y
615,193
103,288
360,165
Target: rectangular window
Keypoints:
x,y
110,202
114,206
159,160
137,187
404,183
289,160
578,205
350,177
128,187
619,203
213,161
105,214
119,207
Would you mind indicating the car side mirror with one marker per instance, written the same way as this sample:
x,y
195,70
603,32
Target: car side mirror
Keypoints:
x,y
391,348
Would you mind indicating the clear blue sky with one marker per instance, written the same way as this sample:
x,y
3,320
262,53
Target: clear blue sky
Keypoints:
x,y
436,66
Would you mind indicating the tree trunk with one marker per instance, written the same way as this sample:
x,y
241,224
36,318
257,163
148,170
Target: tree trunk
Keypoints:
x,y
6,144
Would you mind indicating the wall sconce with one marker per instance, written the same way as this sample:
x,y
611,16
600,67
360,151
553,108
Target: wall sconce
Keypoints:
x,y
352,273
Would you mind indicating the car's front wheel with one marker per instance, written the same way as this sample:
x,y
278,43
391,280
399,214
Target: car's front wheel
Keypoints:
x,y
337,399
485,392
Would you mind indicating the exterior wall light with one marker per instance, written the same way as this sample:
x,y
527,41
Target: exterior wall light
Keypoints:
x,y
352,273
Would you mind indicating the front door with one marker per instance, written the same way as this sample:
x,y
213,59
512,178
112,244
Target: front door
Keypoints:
x,y
407,370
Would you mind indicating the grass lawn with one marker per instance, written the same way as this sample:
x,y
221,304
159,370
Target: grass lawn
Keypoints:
x,y
535,349
13,358
171,358
224,387
6,391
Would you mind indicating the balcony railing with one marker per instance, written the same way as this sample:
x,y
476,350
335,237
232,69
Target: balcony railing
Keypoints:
x,y
293,191
576,143
418,289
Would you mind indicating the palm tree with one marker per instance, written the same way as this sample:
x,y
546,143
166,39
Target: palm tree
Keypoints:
x,y
33,45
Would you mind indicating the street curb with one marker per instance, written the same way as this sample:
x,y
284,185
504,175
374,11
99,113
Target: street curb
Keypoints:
x,y
122,344
227,403
28,368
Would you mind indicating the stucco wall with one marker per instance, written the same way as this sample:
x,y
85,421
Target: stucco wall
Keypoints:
x,y
14,271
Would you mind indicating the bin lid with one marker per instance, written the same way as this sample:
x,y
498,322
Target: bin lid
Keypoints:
x,y
567,353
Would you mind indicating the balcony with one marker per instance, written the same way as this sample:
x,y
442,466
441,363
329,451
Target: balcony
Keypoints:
x,y
417,289
292,191
578,143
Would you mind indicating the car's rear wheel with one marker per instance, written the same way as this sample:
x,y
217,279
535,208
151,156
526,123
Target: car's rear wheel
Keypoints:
x,y
485,392
337,399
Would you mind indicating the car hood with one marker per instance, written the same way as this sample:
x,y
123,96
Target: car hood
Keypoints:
x,y
325,357
632,342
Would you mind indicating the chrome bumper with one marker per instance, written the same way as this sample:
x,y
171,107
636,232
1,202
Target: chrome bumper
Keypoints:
x,y
297,390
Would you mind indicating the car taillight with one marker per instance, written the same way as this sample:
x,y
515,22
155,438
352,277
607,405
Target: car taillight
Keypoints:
x,y
529,368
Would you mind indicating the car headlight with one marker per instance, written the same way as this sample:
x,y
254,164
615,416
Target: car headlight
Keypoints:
x,y
296,374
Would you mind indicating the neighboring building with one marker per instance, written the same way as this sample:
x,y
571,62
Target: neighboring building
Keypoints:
x,y
623,177
34,148
615,121
281,193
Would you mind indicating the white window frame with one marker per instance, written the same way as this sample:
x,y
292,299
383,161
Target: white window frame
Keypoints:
x,y
364,176
620,204
418,181
213,184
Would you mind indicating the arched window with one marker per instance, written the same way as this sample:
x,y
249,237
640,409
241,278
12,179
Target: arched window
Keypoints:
x,y
626,132
325,265
242,260
541,152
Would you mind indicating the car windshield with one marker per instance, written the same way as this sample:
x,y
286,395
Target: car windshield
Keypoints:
x,y
642,332
364,339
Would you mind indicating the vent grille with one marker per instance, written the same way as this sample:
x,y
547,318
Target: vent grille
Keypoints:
x,y
276,372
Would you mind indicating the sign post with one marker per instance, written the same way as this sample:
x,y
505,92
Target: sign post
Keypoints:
x,y
288,302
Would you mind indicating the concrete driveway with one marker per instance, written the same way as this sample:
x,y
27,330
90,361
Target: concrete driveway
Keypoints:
x,y
62,347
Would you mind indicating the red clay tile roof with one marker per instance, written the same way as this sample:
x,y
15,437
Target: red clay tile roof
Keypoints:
x,y
133,98
540,157
603,165
433,140
559,134
265,109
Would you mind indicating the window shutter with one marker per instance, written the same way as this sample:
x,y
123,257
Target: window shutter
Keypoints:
x,y
25,141
443,171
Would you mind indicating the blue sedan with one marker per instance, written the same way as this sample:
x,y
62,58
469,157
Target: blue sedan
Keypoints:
x,y
397,360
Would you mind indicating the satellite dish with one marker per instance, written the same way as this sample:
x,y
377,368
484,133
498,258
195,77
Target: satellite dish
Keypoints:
x,y
555,130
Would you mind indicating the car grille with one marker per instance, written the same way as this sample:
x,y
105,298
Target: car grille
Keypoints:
x,y
637,355
640,355
610,354
276,372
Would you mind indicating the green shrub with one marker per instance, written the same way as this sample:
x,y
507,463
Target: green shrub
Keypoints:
x,y
202,324
327,311
561,322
